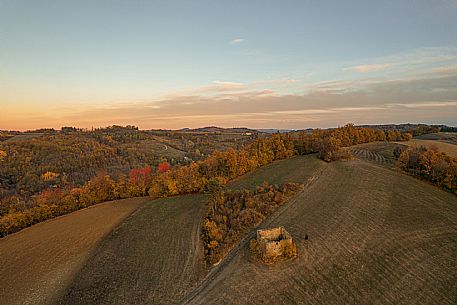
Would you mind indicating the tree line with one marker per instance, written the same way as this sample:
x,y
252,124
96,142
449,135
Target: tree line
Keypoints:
x,y
331,144
200,176
159,180
431,165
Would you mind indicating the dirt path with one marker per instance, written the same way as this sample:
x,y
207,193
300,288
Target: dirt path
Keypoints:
x,y
376,237
242,244
38,262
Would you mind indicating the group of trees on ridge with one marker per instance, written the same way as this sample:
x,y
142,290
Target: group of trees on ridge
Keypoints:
x,y
429,164
330,144
164,179
231,214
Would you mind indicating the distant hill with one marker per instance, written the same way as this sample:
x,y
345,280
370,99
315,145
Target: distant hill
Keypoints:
x,y
272,130
401,127
216,129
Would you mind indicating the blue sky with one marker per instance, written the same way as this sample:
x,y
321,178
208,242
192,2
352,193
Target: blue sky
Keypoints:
x,y
173,64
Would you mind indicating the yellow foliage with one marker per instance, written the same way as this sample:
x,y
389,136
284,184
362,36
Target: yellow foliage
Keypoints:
x,y
172,187
213,244
3,154
49,176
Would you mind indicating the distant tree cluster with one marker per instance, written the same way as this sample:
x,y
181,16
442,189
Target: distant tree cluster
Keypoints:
x,y
220,167
33,165
330,144
201,176
231,214
448,129
424,129
431,165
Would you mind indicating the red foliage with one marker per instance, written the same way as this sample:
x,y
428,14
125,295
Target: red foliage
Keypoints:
x,y
138,175
163,167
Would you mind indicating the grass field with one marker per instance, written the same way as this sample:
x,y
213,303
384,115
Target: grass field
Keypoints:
x,y
376,237
38,262
24,137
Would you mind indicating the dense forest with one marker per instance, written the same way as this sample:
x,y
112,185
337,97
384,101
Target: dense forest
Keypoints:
x,y
162,180
33,162
50,174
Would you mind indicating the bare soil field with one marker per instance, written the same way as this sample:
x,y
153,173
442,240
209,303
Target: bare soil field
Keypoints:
x,y
378,152
156,255
38,262
375,237
447,148
297,169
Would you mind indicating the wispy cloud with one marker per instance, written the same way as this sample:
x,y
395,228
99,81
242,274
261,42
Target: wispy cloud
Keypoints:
x,y
416,86
427,104
369,68
228,84
410,62
380,102
445,70
237,40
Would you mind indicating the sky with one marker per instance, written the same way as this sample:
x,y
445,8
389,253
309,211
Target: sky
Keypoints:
x,y
258,64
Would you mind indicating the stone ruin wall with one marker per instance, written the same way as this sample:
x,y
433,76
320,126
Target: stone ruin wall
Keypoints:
x,y
273,242
274,249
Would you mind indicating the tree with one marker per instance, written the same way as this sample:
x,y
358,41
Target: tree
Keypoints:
x,y
3,155
163,167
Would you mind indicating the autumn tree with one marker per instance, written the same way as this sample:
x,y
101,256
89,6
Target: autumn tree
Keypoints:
x,y
163,167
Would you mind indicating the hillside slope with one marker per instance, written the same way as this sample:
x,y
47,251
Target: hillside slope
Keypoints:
x,y
376,237
156,255
450,149
38,262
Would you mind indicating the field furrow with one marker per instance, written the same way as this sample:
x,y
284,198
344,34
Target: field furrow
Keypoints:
x,y
38,262
376,237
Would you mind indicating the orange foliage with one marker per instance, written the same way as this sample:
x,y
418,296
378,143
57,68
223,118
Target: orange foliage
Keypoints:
x,y
49,176
434,166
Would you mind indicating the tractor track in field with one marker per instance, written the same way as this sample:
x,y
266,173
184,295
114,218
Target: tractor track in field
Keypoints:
x,y
368,155
229,257
376,237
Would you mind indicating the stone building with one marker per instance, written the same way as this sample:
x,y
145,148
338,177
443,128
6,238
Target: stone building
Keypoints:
x,y
275,242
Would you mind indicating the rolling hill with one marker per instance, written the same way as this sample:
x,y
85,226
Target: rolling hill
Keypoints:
x,y
39,262
375,236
